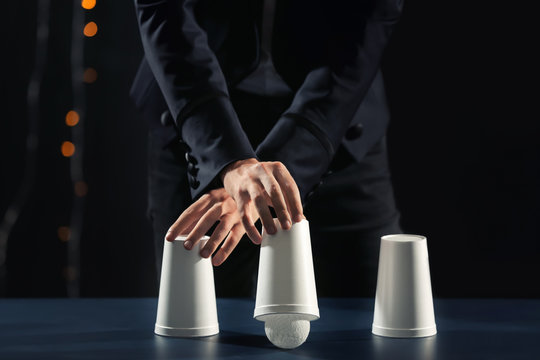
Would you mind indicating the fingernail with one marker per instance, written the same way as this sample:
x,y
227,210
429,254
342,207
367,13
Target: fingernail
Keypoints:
x,y
298,218
187,245
271,230
287,224
205,253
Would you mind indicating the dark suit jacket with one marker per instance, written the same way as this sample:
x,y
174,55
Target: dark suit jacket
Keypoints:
x,y
328,52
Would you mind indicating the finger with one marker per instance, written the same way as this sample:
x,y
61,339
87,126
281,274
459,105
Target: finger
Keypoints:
x,y
247,222
229,244
189,217
188,228
257,195
290,191
219,233
203,225
290,211
273,189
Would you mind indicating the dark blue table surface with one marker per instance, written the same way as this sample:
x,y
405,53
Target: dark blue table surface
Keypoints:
x,y
123,329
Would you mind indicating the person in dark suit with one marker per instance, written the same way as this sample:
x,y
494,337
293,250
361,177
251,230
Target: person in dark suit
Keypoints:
x,y
274,103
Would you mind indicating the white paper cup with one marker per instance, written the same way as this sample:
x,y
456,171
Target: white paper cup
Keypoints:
x,y
403,301
187,298
286,281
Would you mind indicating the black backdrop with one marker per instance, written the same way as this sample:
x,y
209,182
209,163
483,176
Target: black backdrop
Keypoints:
x,y
464,150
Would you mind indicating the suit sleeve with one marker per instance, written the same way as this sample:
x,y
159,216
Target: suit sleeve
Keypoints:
x,y
308,133
193,85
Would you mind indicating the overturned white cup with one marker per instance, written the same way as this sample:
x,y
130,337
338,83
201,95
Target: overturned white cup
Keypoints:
x,y
286,293
404,301
187,299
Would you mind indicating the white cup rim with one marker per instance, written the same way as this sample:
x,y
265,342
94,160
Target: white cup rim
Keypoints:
x,y
184,237
403,238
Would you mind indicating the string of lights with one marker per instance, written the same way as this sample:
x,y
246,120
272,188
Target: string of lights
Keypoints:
x,y
33,95
74,149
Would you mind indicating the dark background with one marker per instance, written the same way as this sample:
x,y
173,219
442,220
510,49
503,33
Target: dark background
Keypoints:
x,y
464,149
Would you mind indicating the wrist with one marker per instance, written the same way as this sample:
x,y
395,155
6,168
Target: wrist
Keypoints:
x,y
235,165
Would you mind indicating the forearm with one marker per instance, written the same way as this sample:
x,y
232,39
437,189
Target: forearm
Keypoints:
x,y
309,132
176,49
193,85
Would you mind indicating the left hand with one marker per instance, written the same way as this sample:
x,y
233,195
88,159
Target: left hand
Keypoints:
x,y
196,220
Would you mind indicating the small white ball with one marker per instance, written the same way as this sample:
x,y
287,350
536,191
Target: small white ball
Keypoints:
x,y
286,331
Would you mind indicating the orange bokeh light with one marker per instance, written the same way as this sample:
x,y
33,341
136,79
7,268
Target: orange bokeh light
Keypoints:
x,y
72,118
88,4
90,29
81,188
68,149
64,233
70,273
90,75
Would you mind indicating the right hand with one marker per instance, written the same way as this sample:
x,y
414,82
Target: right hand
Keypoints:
x,y
215,206
263,184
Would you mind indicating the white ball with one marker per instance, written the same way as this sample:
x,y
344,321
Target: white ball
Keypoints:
x,y
286,331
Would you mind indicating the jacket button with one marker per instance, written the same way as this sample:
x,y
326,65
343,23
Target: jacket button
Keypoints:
x,y
194,183
192,169
166,118
191,159
354,132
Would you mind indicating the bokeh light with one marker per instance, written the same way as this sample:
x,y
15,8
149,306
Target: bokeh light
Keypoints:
x,y
72,118
70,273
80,188
90,75
88,4
64,233
68,149
90,29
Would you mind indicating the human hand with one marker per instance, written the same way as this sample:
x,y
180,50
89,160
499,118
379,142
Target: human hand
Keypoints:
x,y
196,220
254,184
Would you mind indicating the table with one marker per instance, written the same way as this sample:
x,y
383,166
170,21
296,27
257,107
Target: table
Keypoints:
x,y
121,328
